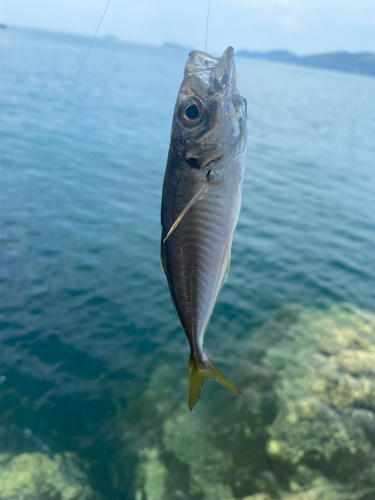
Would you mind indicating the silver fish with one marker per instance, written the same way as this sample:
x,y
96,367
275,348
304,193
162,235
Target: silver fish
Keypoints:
x,y
201,199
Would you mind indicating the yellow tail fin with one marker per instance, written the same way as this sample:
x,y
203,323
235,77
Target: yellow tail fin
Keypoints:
x,y
198,373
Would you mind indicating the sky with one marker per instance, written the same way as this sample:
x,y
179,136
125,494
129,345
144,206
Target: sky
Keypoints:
x,y
302,26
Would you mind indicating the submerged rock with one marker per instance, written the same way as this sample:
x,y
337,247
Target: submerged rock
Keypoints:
x,y
323,493
326,388
208,464
304,431
181,460
151,476
35,476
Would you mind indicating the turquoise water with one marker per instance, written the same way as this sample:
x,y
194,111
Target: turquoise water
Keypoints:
x,y
85,312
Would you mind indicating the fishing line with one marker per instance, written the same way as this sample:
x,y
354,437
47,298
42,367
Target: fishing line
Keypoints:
x,y
66,102
208,16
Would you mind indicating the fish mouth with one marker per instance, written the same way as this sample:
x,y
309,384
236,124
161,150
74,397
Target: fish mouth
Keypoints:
x,y
198,59
210,69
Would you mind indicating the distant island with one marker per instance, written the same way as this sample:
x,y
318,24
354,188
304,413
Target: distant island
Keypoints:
x,y
109,38
3,26
358,62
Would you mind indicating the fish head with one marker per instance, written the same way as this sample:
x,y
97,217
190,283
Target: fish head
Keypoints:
x,y
210,115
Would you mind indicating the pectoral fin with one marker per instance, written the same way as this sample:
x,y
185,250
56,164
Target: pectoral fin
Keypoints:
x,y
203,190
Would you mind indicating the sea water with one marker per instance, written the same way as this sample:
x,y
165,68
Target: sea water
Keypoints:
x,y
87,324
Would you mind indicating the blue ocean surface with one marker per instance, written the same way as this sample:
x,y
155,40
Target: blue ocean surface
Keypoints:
x,y
91,351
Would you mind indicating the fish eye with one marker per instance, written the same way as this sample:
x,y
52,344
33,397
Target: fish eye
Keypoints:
x,y
191,112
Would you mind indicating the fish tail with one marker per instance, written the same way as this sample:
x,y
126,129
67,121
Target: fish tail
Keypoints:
x,y
199,371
